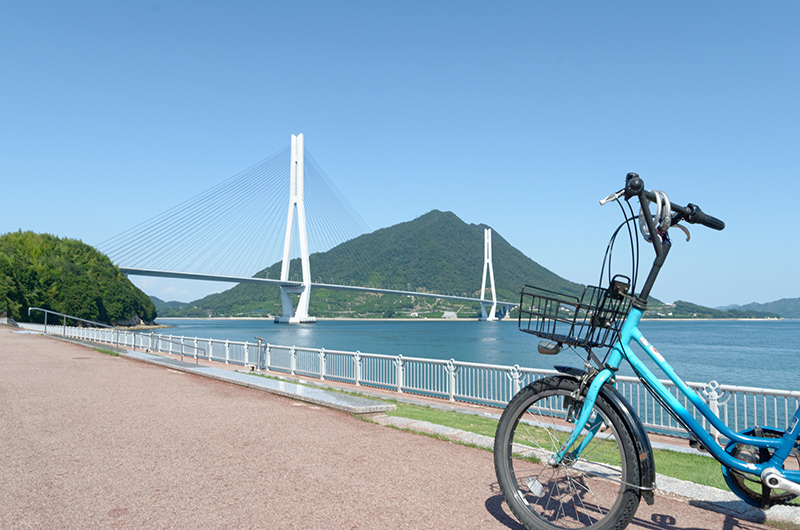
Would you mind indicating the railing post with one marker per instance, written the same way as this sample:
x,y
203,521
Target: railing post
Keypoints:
x,y
45,322
450,367
357,361
246,353
514,374
293,359
713,403
227,351
267,356
399,362
322,355
195,350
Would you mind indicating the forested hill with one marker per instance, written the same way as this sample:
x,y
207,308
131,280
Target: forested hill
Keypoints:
x,y
67,276
436,252
786,307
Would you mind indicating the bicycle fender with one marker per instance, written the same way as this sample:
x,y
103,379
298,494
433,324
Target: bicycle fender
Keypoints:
x,y
647,465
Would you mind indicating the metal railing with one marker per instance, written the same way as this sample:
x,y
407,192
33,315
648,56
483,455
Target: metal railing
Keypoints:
x,y
96,332
738,407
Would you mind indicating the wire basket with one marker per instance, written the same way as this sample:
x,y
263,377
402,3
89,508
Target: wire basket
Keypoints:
x,y
593,321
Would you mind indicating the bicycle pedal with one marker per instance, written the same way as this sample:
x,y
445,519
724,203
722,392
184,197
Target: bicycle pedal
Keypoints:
x,y
695,443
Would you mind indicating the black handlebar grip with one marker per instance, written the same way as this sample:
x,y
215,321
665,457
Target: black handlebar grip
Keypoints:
x,y
695,215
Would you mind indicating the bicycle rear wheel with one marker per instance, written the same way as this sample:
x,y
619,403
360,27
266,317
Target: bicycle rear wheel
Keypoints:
x,y
595,489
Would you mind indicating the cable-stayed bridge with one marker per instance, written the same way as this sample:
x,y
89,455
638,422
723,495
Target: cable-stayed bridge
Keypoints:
x,y
204,237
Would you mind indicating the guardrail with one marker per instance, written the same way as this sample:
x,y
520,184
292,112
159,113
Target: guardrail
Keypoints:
x,y
111,335
486,384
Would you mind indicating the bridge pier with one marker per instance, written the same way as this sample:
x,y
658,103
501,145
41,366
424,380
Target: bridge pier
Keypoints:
x,y
300,316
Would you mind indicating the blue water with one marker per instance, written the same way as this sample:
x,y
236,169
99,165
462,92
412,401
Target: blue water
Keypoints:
x,y
763,354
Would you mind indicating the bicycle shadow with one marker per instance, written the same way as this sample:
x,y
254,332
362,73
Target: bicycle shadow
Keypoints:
x,y
496,507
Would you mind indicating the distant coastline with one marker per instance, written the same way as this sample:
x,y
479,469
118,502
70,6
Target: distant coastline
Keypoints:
x,y
440,319
343,319
743,319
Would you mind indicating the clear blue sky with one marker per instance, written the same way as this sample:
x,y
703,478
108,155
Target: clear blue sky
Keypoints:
x,y
520,115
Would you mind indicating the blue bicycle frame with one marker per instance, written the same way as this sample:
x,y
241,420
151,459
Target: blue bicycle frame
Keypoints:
x,y
782,446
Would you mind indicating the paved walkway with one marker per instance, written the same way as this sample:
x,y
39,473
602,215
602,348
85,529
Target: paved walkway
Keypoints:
x,y
88,440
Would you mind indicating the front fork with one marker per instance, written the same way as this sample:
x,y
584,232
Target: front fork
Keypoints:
x,y
592,425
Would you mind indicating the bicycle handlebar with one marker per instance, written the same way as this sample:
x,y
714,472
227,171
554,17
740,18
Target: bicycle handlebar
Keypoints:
x,y
695,215
634,187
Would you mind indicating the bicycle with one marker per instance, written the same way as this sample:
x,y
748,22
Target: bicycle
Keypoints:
x,y
570,451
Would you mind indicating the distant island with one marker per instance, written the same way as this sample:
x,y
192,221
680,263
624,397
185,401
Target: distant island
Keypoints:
x,y
681,309
785,307
678,310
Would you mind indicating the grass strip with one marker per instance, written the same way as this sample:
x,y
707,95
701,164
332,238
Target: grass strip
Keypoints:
x,y
683,466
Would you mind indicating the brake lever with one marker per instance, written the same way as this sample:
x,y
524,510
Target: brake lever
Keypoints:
x,y
613,197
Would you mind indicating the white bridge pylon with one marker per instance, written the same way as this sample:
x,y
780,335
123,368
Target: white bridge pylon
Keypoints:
x,y
487,267
296,206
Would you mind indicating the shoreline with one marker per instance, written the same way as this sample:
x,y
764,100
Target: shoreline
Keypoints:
x,y
440,319
344,319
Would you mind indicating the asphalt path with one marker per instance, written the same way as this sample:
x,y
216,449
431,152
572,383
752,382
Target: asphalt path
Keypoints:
x,y
88,440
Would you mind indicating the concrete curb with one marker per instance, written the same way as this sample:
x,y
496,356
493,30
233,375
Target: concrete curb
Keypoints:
x,y
316,396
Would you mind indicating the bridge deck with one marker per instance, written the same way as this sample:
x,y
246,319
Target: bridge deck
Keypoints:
x,y
267,281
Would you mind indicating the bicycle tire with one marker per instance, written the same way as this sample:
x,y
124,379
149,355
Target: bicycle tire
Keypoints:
x,y
598,490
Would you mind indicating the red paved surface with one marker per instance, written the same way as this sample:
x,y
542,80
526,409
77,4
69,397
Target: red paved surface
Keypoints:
x,y
93,441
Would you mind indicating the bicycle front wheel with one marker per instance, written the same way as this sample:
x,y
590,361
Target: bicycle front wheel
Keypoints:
x,y
594,486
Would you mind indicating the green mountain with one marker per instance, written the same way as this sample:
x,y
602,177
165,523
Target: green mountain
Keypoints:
x,y
682,309
162,306
785,307
436,252
67,276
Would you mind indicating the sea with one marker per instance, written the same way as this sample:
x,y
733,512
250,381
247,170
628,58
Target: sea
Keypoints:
x,y
753,353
